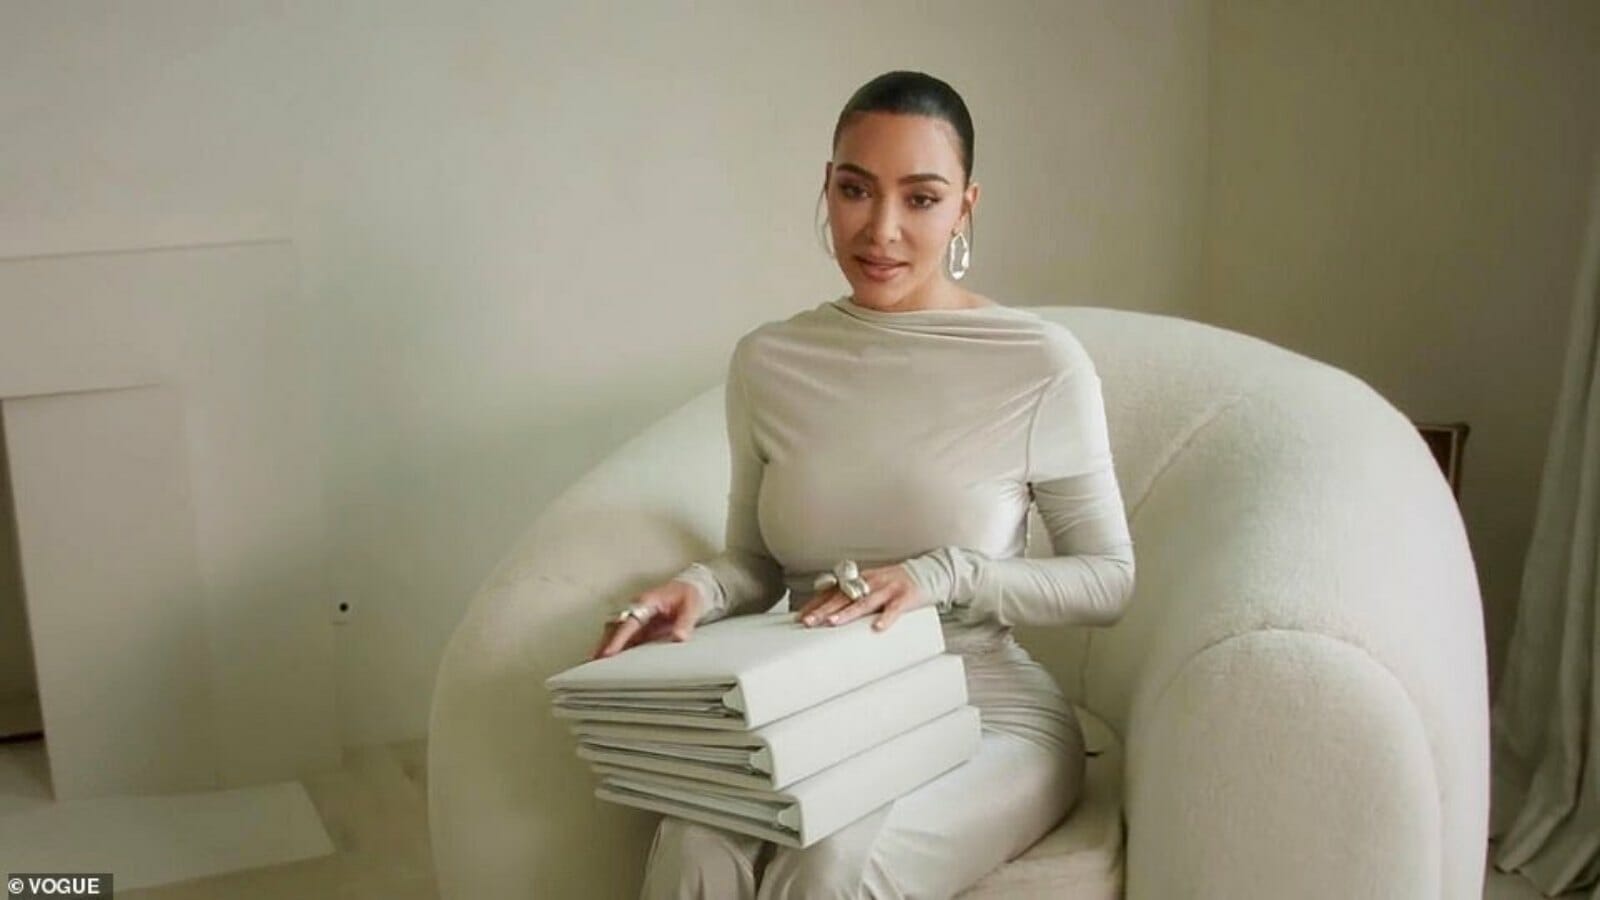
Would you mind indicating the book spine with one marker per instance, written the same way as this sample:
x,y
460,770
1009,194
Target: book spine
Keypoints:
x,y
834,730
882,774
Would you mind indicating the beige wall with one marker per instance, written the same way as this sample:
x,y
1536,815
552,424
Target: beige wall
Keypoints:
x,y
529,229
1398,189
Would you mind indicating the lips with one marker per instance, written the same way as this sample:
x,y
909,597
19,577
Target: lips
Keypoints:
x,y
880,271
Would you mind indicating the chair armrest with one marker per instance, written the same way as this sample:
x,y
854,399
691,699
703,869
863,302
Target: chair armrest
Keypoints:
x,y
511,808
1302,674
1282,764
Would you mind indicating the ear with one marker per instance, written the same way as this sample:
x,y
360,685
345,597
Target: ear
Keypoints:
x,y
971,195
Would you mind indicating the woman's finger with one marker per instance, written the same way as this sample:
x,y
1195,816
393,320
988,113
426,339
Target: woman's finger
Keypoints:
x,y
832,604
621,637
817,612
605,638
682,625
890,612
847,610
657,629
811,605
812,612
856,610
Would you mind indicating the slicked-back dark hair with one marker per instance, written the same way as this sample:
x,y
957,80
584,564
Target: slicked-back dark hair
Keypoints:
x,y
914,94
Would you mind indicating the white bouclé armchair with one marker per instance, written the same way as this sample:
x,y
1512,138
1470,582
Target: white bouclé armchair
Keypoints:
x,y
1294,706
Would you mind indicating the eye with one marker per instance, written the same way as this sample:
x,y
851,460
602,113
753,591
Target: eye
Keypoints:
x,y
847,189
929,198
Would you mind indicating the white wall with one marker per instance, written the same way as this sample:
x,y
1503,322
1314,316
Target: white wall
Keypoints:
x,y
530,229
1399,189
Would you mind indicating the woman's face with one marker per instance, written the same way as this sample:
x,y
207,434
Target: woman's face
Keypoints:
x,y
895,193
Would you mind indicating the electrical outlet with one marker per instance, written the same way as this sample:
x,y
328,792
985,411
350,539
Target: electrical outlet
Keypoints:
x,y
342,611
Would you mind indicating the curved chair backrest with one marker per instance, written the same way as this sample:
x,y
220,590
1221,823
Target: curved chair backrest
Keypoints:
x,y
1285,516
1263,489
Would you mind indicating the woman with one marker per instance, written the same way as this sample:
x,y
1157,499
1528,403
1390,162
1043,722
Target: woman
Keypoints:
x,y
907,425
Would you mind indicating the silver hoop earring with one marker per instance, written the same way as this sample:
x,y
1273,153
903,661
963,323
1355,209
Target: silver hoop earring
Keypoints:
x,y
959,271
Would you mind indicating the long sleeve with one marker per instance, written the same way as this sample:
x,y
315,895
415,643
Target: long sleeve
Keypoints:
x,y
1090,579
744,577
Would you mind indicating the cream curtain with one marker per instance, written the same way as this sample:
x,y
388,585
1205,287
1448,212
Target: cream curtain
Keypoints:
x,y
1546,715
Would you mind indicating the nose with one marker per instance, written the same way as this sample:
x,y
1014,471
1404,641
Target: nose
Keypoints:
x,y
885,226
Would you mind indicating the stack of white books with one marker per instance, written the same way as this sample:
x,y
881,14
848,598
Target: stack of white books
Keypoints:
x,y
765,727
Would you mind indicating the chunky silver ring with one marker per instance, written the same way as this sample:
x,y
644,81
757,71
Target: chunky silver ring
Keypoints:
x,y
856,589
638,612
847,575
850,580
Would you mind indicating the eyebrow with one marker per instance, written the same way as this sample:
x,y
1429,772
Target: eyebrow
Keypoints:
x,y
909,179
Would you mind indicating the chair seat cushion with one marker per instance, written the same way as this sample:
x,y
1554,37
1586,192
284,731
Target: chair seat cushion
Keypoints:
x,y
1082,858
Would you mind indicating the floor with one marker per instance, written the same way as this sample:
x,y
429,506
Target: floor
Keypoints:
x,y
375,810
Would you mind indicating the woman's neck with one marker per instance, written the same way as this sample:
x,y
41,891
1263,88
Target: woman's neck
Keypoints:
x,y
951,297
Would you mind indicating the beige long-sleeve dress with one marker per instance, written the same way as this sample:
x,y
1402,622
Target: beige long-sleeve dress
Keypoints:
x,y
918,438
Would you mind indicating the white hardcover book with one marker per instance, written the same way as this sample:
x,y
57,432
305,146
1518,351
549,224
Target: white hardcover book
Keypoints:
x,y
780,753
813,808
742,672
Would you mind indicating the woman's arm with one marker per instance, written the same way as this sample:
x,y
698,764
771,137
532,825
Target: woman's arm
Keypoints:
x,y
1088,582
744,577
1073,481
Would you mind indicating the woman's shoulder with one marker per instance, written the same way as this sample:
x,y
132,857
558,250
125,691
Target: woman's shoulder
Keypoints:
x,y
775,331
765,333
1062,349
1056,347
760,341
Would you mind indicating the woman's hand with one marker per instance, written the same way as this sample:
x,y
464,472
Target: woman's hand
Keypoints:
x,y
891,592
677,608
